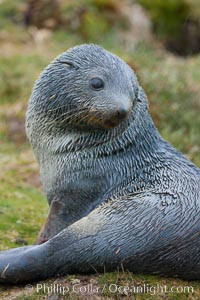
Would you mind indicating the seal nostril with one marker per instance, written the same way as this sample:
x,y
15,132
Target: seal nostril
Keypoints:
x,y
122,113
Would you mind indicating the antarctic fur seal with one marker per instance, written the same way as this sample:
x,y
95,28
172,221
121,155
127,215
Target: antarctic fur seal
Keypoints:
x,y
119,194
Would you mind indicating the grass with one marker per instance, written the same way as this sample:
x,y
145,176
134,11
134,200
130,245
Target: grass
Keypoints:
x,y
172,85
107,286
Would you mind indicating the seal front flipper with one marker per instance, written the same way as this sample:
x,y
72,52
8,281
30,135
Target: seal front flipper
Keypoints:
x,y
71,204
55,222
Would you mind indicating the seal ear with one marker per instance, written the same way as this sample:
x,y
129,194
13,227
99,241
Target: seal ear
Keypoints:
x,y
69,64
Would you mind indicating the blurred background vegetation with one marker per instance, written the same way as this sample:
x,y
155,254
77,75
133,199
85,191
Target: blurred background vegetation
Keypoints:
x,y
159,39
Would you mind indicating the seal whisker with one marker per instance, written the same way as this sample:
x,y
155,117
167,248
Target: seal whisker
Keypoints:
x,y
69,116
62,107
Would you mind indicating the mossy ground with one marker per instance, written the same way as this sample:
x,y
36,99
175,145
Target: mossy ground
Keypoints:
x,y
172,85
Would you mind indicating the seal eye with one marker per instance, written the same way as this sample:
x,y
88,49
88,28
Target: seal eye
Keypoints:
x,y
97,83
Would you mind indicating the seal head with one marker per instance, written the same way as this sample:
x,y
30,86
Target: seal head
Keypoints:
x,y
87,87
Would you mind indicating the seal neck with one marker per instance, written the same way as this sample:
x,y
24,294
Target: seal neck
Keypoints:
x,y
137,134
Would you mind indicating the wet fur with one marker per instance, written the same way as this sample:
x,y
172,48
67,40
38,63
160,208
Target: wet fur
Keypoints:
x,y
123,196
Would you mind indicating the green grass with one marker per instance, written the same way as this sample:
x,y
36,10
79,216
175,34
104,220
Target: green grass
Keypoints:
x,y
22,207
19,219
15,82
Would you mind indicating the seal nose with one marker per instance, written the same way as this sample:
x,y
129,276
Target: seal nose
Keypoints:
x,y
117,116
122,113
